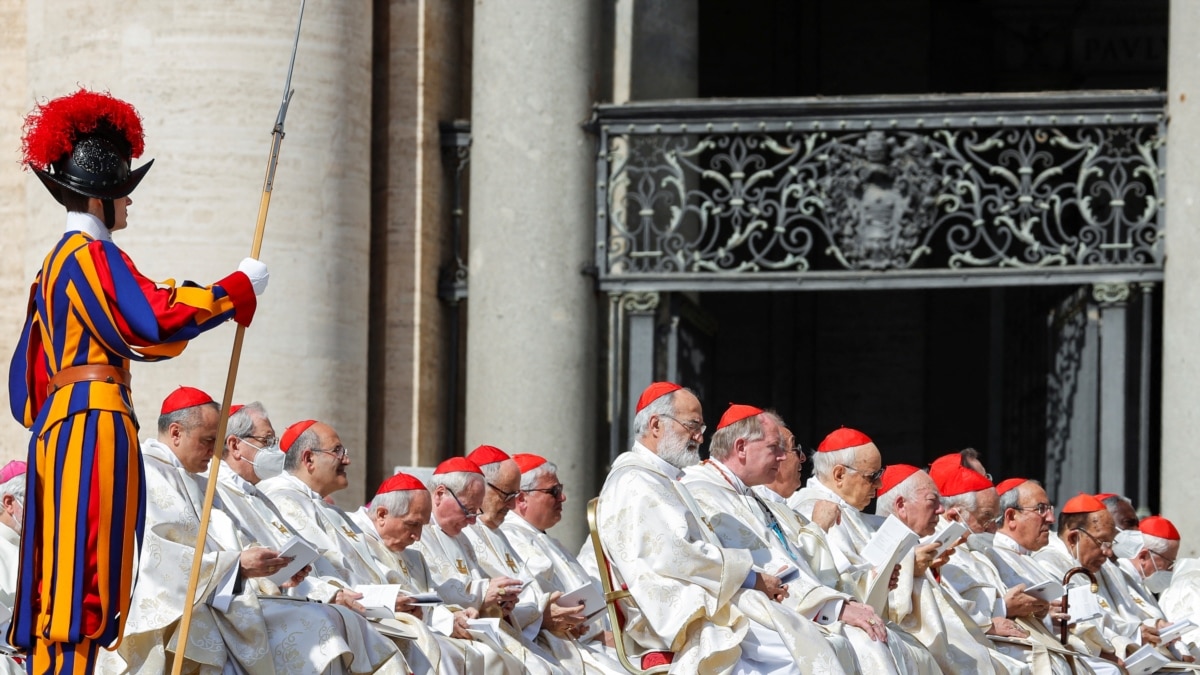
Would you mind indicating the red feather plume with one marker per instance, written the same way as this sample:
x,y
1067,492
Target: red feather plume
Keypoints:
x,y
51,129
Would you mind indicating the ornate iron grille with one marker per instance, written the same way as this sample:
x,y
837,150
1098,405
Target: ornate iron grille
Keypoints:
x,y
897,191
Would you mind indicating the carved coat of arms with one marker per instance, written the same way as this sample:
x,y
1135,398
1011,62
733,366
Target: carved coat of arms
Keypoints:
x,y
880,197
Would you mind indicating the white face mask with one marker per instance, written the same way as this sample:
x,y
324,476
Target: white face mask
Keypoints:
x,y
1159,580
18,515
1128,543
268,461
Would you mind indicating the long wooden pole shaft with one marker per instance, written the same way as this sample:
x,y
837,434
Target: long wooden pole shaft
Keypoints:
x,y
214,466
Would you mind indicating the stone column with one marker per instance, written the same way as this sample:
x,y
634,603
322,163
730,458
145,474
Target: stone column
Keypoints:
x,y
15,276
208,80
1181,300
531,362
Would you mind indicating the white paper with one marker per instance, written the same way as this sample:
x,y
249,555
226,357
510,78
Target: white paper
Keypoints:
x,y
889,545
1047,591
302,555
486,629
390,627
1145,660
426,599
1082,603
1175,630
946,538
223,596
587,595
378,599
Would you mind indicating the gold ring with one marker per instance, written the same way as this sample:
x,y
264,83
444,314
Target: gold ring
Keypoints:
x,y
873,622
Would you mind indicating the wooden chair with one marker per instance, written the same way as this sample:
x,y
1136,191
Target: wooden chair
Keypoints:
x,y
651,663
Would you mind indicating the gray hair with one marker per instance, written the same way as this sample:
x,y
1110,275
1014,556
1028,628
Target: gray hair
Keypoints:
x,y
187,418
1011,500
749,429
529,479
305,441
14,486
967,501
490,470
824,462
663,405
396,502
241,423
885,504
455,481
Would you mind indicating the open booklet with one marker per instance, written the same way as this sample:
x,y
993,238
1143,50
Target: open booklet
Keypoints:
x,y
1083,604
892,541
1047,591
1145,660
946,538
1175,630
302,555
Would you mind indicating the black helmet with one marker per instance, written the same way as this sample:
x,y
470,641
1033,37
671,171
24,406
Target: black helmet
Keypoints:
x,y
84,143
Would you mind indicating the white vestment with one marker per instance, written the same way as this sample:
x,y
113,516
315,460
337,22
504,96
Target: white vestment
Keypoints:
x,y
256,633
462,581
1110,631
497,557
1181,600
10,560
687,587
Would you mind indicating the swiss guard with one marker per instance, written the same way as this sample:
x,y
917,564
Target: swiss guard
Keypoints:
x,y
90,313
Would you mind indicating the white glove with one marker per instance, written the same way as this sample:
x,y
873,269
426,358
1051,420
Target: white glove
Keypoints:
x,y
257,271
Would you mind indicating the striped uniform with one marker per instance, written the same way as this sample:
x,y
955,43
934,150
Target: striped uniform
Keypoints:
x,y
86,499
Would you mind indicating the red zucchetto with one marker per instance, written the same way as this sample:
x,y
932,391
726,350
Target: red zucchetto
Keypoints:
x,y
1010,483
234,408
399,483
894,475
293,432
527,461
654,391
184,397
1083,503
457,464
842,439
736,413
1157,526
959,481
487,454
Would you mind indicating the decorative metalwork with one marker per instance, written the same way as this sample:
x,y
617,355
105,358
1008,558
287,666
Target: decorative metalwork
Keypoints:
x,y
935,190
1070,324
639,303
456,146
1111,293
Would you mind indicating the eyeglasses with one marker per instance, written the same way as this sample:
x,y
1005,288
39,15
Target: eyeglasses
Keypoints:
x,y
264,441
873,477
1170,564
692,426
555,491
508,496
339,453
469,515
1102,544
1042,509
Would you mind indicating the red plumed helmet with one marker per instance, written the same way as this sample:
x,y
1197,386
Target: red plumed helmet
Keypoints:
x,y
84,142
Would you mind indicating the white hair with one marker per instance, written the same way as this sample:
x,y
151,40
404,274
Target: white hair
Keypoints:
x,y
885,504
14,486
1155,544
967,501
749,429
490,470
455,481
824,462
396,502
529,479
241,423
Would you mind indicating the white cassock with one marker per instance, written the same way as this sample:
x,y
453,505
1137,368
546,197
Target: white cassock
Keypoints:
x,y
742,519
10,560
256,633
497,557
1110,631
1181,600
974,579
918,605
688,588
462,581
1015,565
408,569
